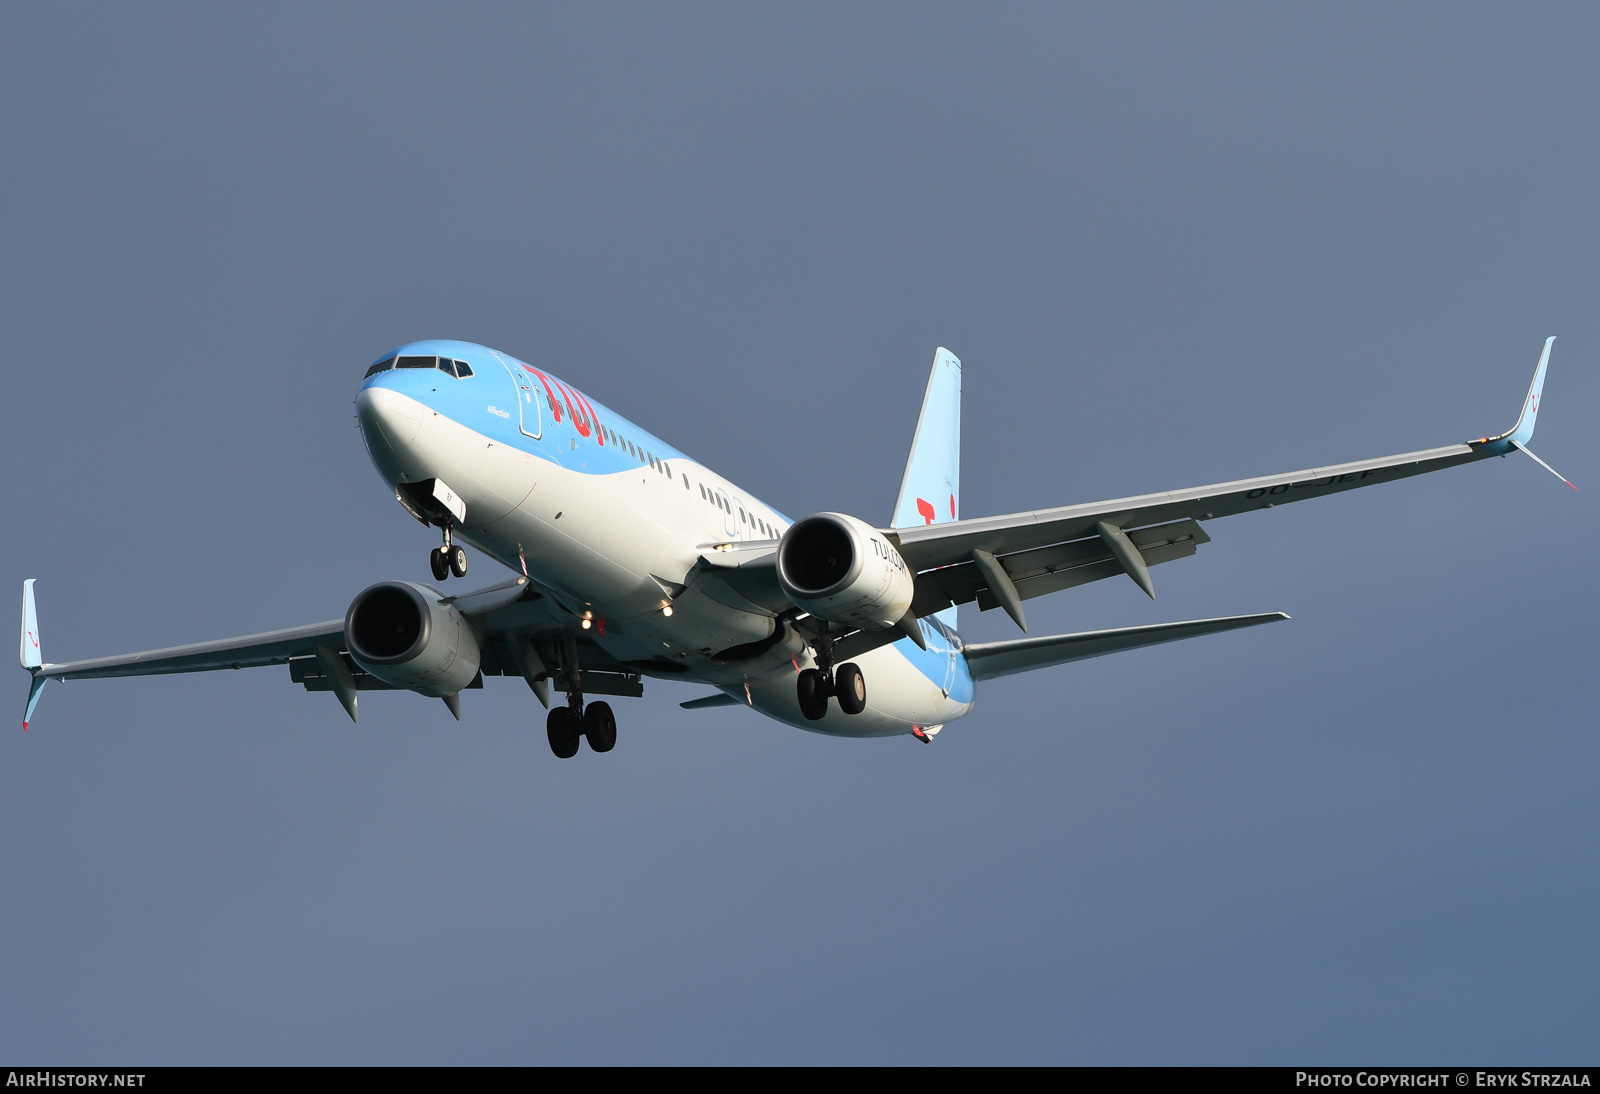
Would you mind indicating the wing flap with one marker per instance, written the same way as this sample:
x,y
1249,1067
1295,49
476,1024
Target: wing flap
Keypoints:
x,y
1050,569
988,660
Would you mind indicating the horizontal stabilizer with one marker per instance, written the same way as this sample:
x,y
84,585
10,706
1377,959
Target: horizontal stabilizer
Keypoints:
x,y
988,660
709,701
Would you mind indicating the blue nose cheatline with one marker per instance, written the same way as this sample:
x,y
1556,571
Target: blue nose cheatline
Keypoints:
x,y
627,559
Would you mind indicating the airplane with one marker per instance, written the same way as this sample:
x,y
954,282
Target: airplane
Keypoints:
x,y
632,560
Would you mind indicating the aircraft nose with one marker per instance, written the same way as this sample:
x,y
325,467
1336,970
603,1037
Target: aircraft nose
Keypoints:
x,y
388,419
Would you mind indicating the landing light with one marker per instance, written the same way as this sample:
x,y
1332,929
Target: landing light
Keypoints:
x,y
666,610
586,624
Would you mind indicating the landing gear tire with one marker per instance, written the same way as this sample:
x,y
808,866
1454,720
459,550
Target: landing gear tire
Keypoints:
x,y
563,730
851,688
437,563
456,557
600,727
812,690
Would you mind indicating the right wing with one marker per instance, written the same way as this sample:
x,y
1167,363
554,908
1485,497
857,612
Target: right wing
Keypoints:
x,y
520,633
249,651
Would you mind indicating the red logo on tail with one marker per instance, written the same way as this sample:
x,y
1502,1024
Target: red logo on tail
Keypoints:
x,y
926,510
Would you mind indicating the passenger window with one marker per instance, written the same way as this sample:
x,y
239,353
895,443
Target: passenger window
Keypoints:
x,y
380,367
416,362
463,369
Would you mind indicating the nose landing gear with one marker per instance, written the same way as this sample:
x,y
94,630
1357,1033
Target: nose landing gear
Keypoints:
x,y
447,560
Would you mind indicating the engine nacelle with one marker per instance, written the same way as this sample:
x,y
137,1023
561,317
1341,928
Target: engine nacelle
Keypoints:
x,y
400,633
841,569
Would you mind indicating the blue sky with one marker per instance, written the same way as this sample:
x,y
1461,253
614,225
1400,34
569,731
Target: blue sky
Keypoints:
x,y
1171,245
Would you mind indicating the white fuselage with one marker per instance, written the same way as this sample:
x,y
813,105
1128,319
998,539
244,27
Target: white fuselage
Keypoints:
x,y
616,540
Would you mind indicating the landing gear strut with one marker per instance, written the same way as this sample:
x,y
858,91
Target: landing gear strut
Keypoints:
x,y
447,560
846,683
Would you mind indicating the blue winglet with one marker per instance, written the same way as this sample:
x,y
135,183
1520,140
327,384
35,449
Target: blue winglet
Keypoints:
x,y
1522,432
30,653
31,658
34,691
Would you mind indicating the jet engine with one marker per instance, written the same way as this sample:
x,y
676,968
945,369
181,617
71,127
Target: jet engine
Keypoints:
x,y
400,633
841,569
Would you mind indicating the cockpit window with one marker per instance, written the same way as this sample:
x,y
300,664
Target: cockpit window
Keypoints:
x,y
443,364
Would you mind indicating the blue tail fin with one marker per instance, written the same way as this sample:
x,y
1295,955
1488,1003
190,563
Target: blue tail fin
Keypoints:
x,y
930,493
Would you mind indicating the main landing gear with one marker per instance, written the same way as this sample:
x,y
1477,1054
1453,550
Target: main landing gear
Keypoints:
x,y
597,724
846,684
447,560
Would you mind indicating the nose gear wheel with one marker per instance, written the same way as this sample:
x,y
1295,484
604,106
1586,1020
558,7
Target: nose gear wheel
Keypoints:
x,y
448,559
